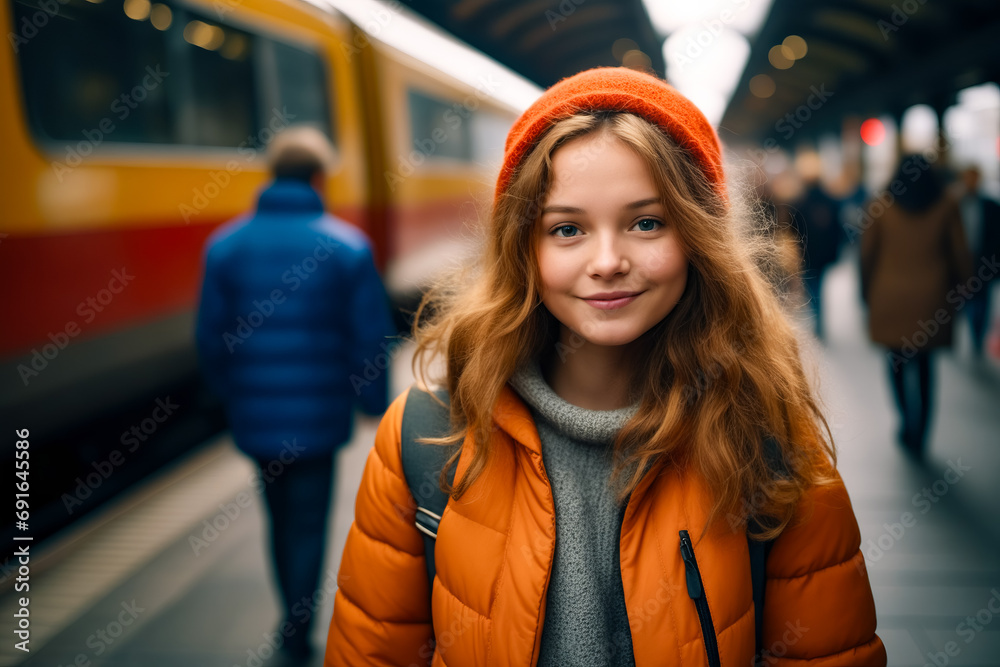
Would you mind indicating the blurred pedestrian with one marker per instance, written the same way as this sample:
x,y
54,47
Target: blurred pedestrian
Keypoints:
x,y
981,217
994,341
291,308
630,419
817,220
913,257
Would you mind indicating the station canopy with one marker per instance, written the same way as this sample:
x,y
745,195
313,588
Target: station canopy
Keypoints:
x,y
836,58
820,59
546,40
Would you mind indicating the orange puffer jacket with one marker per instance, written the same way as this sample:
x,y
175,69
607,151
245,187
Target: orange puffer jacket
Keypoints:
x,y
494,555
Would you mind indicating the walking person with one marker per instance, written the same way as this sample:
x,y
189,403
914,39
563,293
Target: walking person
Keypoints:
x,y
291,307
913,256
626,403
993,346
817,218
981,218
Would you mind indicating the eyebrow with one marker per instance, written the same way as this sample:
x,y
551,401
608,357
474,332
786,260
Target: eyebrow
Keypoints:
x,y
556,208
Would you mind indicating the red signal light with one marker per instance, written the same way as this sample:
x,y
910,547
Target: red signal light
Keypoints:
x,y
872,132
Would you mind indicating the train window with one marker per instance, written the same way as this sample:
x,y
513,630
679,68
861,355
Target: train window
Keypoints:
x,y
93,72
217,101
489,131
296,83
151,71
440,129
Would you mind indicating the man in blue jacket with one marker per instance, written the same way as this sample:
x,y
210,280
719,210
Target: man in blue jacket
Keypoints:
x,y
292,315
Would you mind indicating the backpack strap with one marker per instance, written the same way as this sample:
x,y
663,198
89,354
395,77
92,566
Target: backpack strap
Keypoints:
x,y
760,550
422,464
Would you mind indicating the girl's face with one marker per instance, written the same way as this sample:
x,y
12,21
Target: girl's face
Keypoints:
x,y
611,264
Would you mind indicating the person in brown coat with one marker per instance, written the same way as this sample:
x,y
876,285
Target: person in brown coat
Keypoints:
x,y
914,258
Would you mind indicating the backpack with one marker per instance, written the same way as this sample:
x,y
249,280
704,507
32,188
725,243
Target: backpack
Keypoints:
x,y
422,463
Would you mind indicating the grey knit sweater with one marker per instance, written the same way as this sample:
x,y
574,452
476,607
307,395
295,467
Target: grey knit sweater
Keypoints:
x,y
585,618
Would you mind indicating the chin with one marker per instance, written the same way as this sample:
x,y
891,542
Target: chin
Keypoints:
x,y
611,336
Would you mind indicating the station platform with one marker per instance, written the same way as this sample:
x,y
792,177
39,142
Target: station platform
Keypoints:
x,y
145,583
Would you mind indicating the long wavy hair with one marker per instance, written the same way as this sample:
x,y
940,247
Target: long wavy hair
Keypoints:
x,y
719,375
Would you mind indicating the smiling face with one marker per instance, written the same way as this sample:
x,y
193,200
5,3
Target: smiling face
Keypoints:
x,y
611,265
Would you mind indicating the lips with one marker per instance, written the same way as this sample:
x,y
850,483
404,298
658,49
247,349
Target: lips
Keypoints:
x,y
607,296
611,300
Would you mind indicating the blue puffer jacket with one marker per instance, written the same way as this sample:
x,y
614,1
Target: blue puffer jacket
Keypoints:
x,y
292,325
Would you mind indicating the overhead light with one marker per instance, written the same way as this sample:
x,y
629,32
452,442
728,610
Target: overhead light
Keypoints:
x,y
137,10
762,86
621,47
795,47
160,16
236,47
781,56
199,33
637,60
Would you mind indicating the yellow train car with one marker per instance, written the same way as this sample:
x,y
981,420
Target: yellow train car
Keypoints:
x,y
132,128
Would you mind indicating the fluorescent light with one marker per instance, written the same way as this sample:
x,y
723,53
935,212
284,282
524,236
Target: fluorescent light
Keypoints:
x,y
707,46
396,26
706,67
744,16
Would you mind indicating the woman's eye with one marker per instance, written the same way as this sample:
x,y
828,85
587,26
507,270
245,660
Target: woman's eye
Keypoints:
x,y
648,225
569,229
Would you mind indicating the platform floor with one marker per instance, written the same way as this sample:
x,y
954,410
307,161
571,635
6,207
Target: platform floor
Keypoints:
x,y
127,589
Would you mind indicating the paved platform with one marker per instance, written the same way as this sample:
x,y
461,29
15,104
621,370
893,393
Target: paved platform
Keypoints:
x,y
931,534
136,591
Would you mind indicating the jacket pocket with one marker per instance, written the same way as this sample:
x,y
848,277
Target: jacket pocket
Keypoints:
x,y
697,592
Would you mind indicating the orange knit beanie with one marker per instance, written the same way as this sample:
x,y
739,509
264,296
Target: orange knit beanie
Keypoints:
x,y
617,89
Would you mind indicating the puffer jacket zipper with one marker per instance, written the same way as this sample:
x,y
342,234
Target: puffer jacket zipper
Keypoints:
x,y
697,592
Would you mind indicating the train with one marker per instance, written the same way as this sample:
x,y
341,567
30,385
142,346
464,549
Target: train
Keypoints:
x,y
130,129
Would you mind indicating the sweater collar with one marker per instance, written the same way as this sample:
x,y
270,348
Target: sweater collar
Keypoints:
x,y
527,387
594,426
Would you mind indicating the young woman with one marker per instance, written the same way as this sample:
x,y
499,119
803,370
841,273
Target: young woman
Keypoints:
x,y
630,402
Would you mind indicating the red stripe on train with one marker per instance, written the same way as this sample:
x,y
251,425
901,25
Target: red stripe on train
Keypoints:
x,y
63,287
75,285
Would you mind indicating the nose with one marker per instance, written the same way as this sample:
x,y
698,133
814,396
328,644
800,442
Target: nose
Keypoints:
x,y
608,258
